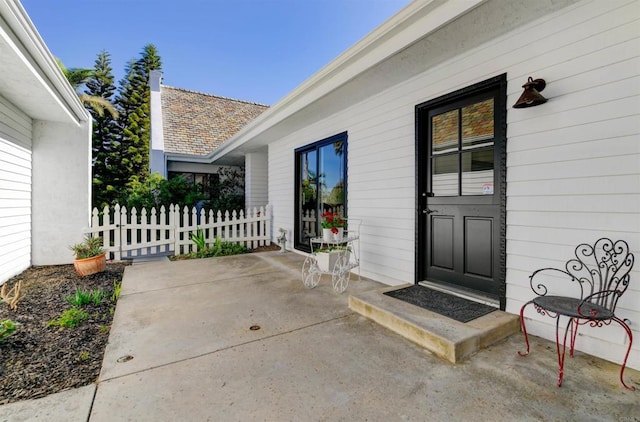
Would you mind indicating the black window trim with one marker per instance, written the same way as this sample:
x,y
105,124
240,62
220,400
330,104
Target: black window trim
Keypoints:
x,y
343,136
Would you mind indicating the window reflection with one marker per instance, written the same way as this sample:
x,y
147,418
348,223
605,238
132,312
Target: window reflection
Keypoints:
x,y
477,172
331,176
445,132
445,175
477,124
308,196
321,173
463,137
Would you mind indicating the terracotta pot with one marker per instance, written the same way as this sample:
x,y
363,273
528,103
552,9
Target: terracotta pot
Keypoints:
x,y
92,265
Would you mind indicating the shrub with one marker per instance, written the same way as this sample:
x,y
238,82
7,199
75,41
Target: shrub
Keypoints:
x,y
70,318
219,248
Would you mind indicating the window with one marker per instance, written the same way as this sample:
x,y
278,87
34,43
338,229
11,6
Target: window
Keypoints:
x,y
321,175
462,144
205,183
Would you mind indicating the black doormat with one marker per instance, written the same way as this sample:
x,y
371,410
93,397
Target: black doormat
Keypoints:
x,y
451,306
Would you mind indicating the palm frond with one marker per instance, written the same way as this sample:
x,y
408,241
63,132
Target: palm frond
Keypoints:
x,y
99,104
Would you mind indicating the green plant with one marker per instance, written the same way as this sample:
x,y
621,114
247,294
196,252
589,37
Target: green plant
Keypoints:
x,y
117,287
199,239
332,248
70,318
7,328
81,297
332,221
82,356
91,246
219,248
104,329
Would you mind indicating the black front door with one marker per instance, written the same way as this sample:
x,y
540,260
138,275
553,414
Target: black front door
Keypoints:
x,y
461,144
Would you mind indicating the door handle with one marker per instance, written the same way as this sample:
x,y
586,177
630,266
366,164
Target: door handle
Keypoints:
x,y
428,211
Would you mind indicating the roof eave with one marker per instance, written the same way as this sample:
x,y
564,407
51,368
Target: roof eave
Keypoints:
x,y
43,71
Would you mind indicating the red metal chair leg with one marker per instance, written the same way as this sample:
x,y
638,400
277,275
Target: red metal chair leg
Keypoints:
x,y
624,363
574,334
524,329
561,353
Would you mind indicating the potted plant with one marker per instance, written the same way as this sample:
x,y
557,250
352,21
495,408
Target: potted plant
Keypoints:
x,y
327,257
90,256
332,226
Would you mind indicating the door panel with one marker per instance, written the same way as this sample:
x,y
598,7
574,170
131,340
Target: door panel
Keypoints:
x,y
461,167
478,247
443,233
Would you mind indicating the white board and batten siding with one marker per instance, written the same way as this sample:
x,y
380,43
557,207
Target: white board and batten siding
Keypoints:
x,y
573,164
15,190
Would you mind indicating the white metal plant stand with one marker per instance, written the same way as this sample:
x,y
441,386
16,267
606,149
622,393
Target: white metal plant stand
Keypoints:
x,y
348,257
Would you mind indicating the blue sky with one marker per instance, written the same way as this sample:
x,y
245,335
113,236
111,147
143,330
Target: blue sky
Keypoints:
x,y
256,50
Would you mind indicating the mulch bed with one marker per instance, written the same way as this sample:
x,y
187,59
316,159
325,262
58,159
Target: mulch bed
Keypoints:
x,y
38,360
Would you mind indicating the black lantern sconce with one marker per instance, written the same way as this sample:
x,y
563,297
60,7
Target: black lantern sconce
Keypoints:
x,y
531,96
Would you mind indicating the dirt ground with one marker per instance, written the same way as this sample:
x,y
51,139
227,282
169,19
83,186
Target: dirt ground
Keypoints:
x,y
38,359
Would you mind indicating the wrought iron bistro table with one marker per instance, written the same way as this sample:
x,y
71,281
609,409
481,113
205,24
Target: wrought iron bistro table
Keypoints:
x,y
347,251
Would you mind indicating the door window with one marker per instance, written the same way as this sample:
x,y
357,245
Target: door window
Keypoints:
x,y
320,186
462,141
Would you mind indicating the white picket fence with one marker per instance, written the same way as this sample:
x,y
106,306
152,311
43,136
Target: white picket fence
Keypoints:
x,y
129,233
309,220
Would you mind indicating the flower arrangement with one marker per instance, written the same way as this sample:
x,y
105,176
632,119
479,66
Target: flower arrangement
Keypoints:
x,y
332,221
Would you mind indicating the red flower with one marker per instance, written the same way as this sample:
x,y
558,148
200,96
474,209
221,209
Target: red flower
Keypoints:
x,y
332,221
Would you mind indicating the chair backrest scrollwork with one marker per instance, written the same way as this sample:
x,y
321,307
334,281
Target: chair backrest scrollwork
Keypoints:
x,y
602,270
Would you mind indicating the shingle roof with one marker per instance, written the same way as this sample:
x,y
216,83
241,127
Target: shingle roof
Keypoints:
x,y
196,123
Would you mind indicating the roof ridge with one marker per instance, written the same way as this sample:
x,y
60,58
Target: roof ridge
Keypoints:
x,y
216,96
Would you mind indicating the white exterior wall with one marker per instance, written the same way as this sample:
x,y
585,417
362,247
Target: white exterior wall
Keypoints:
x,y
573,163
61,189
256,192
157,161
15,190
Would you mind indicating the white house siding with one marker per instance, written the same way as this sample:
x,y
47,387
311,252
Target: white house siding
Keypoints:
x,y
573,163
15,190
256,176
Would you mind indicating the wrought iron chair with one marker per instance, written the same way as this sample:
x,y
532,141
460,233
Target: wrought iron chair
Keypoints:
x,y
601,274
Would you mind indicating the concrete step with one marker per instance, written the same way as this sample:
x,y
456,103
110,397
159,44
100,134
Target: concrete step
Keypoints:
x,y
444,337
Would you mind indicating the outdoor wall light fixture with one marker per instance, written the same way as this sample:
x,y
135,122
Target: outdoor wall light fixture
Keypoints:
x,y
531,96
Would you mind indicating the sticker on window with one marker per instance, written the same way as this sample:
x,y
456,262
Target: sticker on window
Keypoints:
x,y
487,189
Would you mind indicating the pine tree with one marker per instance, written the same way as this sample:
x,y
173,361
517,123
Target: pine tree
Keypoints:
x,y
107,180
135,121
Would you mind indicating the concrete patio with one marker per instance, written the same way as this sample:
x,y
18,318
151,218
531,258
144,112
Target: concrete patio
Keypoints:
x,y
182,348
